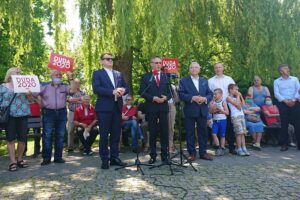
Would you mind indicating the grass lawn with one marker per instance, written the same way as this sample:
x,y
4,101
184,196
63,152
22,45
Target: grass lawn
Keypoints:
x,y
30,148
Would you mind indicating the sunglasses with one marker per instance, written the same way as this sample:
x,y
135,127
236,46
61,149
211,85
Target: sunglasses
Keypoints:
x,y
107,59
157,63
128,99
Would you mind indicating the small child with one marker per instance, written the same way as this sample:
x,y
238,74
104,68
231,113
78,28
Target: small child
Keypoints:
x,y
236,102
219,110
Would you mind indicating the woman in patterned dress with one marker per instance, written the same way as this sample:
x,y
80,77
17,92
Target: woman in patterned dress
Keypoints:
x,y
16,127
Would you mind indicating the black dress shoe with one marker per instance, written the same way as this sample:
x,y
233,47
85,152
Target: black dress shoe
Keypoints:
x,y
46,162
59,160
284,148
117,162
164,159
135,150
152,161
232,151
105,165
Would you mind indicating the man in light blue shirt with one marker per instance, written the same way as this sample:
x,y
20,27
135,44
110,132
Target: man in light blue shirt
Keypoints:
x,y
286,90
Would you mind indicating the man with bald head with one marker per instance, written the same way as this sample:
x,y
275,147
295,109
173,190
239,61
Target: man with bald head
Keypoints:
x,y
220,80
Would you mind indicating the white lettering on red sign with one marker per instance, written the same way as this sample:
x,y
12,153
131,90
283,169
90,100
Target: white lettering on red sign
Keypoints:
x,y
61,62
169,64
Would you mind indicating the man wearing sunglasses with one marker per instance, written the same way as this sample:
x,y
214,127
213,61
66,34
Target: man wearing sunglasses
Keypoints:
x,y
110,86
155,89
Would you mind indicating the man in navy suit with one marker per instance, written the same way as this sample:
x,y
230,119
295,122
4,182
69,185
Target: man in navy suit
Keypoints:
x,y
195,93
155,89
109,85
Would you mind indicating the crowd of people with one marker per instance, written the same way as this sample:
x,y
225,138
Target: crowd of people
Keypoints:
x,y
65,108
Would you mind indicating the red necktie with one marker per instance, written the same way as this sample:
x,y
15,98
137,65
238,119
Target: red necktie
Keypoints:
x,y
156,77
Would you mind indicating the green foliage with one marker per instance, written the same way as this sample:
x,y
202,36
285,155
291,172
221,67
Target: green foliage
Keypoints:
x,y
248,36
21,36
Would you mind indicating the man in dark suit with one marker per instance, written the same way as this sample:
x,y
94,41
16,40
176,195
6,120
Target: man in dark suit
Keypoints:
x,y
155,89
109,85
195,93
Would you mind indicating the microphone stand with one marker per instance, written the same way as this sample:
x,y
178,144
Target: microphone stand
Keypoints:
x,y
169,162
137,162
180,153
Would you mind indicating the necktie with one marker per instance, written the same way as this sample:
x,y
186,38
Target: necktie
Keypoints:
x,y
156,74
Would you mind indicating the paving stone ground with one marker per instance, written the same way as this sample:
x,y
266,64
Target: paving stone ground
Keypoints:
x,y
266,174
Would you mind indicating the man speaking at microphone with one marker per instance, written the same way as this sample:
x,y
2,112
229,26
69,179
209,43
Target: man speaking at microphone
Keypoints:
x,y
155,89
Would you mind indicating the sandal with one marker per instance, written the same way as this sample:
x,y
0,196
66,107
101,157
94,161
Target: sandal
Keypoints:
x,y
22,164
12,167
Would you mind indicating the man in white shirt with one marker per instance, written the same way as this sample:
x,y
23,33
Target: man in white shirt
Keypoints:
x,y
286,90
220,80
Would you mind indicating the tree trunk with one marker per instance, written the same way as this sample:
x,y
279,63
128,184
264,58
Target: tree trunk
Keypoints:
x,y
123,63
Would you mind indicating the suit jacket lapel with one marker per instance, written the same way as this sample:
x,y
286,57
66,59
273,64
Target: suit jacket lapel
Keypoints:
x,y
116,76
193,86
161,79
199,85
107,78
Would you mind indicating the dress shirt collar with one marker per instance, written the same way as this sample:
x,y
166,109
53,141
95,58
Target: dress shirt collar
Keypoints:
x,y
108,69
281,78
219,76
193,78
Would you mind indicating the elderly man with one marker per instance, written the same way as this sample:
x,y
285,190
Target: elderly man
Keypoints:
x,y
110,86
286,90
74,100
222,81
54,112
86,122
195,93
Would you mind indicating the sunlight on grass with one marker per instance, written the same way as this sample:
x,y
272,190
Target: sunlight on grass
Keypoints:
x,y
30,147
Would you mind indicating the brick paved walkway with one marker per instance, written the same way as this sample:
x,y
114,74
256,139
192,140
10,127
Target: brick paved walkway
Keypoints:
x,y
267,174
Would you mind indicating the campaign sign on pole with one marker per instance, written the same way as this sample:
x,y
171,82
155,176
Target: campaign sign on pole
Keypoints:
x,y
61,63
24,83
170,65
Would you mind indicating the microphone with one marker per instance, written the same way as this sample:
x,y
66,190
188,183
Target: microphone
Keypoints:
x,y
163,68
151,79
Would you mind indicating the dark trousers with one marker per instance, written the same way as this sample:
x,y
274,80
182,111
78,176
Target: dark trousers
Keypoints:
x,y
289,115
53,120
158,121
88,142
201,133
230,135
109,122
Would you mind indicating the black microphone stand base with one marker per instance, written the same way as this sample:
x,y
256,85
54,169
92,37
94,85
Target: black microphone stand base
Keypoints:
x,y
138,165
182,164
169,163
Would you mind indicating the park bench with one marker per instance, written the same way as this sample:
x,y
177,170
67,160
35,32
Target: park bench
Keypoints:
x,y
33,122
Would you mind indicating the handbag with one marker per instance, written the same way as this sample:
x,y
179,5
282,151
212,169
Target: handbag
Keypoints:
x,y
253,118
4,112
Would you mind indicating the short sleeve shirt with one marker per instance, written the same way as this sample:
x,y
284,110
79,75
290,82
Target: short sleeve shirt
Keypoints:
x,y
20,105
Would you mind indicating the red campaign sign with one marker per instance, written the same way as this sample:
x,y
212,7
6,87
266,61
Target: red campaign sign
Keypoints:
x,y
170,65
61,63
